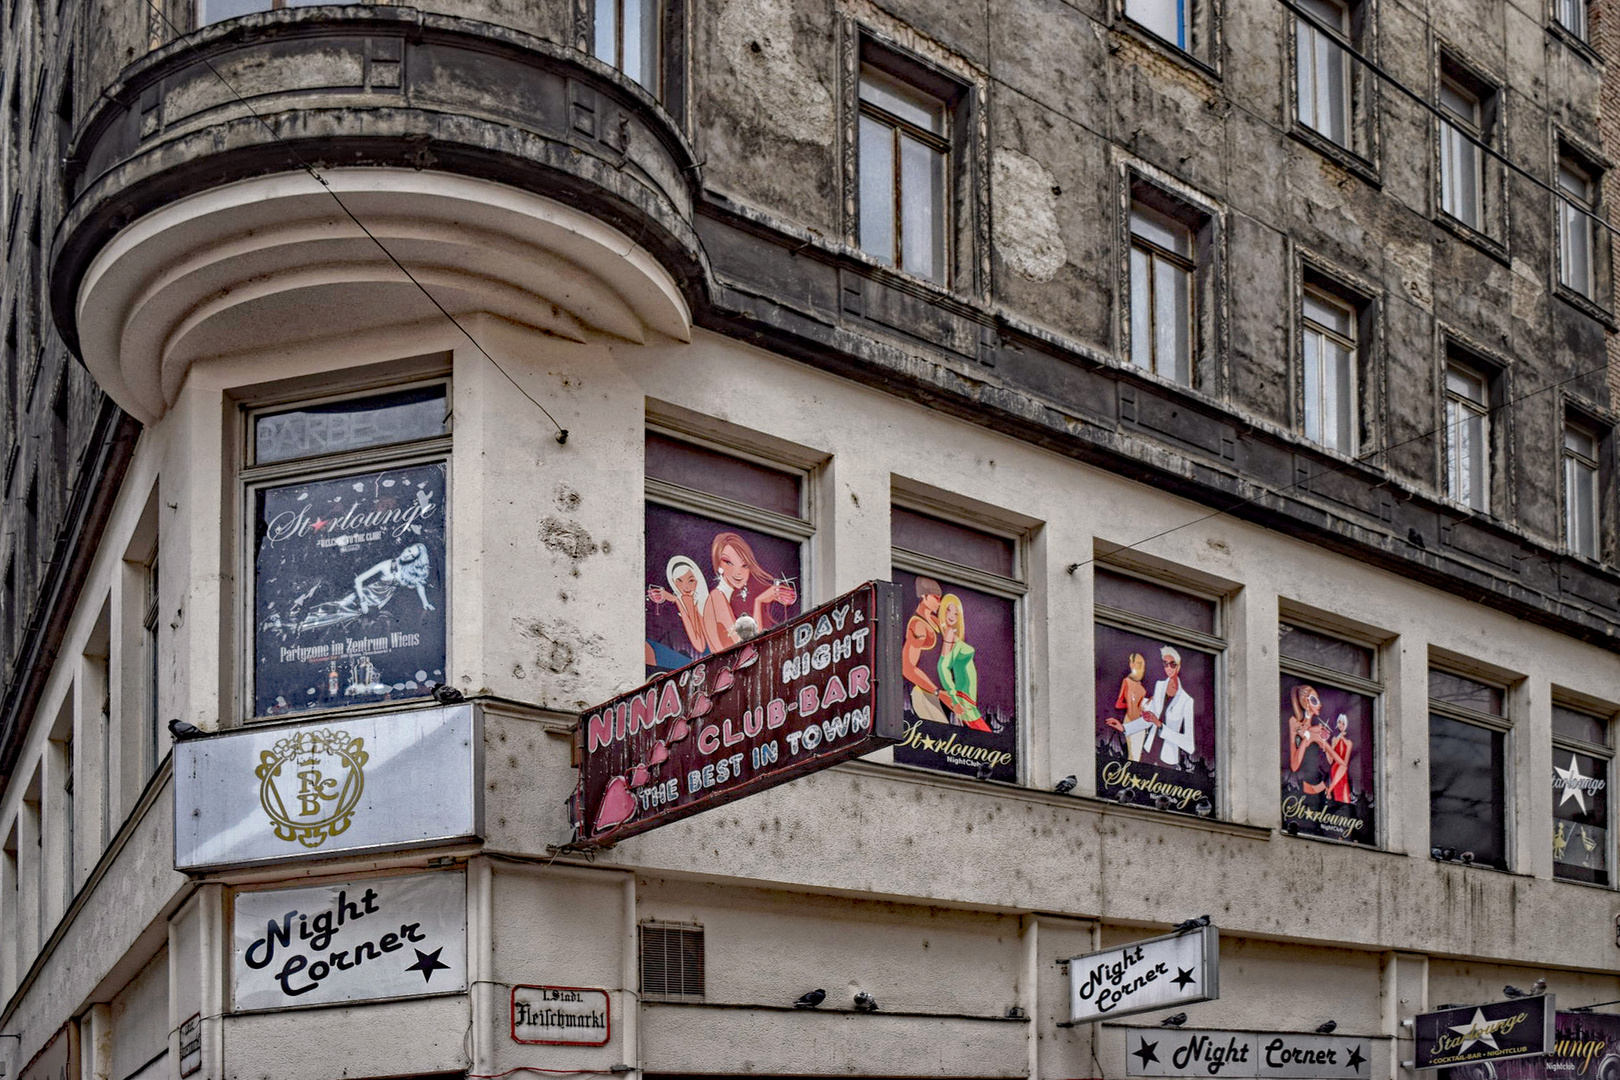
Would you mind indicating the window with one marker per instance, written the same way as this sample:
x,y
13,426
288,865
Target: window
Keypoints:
x,y
1323,70
626,34
213,11
153,741
1467,770
1161,294
1581,445
1571,15
725,540
1330,697
346,503
904,160
1158,669
69,826
1462,192
1577,242
1166,19
1467,436
960,657
1582,768
1331,409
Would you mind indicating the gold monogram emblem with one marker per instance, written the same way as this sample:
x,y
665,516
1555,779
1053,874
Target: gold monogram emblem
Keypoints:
x,y
320,774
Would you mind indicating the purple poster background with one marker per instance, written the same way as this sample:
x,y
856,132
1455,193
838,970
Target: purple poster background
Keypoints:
x,y
682,579
1328,758
1586,1047
961,699
1171,766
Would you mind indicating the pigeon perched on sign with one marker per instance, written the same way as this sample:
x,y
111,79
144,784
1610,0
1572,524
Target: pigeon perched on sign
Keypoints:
x,y
446,695
1512,992
1327,1028
1065,785
811,1000
182,730
1192,924
1174,1021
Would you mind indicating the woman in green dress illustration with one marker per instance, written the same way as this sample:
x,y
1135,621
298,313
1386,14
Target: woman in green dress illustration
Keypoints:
x,y
958,676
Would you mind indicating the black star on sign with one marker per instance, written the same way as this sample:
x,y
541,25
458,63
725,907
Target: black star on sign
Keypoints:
x,y
1355,1059
428,962
1146,1052
1183,978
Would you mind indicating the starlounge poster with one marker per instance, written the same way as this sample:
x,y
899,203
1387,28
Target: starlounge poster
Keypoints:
x,y
959,661
1586,1046
811,693
349,590
1480,1036
1155,722
1327,761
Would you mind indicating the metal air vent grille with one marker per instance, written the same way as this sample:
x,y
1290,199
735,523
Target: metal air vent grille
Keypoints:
x,y
672,962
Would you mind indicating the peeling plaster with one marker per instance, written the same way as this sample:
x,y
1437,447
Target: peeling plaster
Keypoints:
x,y
1024,208
757,36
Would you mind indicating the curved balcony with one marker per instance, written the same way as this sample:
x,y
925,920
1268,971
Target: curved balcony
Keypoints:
x,y
509,174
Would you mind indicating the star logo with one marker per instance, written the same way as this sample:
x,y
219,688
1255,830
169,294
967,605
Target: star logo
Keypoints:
x,y
1183,979
1477,1030
1573,786
1355,1059
428,962
1146,1052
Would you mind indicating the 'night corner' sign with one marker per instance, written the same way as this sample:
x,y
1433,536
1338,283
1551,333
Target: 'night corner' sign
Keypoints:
x,y
1246,1055
1177,969
811,693
1515,1028
350,941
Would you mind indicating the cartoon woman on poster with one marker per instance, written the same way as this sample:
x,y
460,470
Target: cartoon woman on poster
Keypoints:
x,y
1132,693
958,675
689,593
1305,729
736,570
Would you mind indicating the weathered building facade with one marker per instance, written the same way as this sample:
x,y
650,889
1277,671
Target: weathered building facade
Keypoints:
x,y
1224,382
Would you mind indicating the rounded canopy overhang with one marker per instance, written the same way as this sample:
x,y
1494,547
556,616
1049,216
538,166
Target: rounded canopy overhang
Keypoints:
x,y
275,260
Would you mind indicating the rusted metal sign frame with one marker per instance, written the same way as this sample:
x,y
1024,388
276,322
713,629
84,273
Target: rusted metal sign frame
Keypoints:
x,y
884,614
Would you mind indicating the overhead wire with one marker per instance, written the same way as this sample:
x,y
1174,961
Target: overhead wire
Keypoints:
x,y
562,432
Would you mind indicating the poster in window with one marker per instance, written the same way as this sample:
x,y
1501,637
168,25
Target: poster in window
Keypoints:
x,y
959,659
1155,722
1327,761
1586,1046
703,574
349,590
1580,784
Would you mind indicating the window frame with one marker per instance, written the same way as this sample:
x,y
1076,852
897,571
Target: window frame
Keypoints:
x,y
1217,645
800,530
1571,208
1184,23
152,739
1374,688
657,35
1502,725
1599,435
1581,33
1305,31
1329,335
1188,266
1480,409
941,144
253,477
1604,752
1015,589
1474,127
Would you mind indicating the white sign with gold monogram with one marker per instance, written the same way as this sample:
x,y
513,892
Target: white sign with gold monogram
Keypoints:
x,y
327,787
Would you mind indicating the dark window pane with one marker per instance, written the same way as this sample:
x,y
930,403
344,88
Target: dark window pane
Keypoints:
x,y
722,475
1467,790
1456,690
1579,725
1580,784
349,425
1155,601
1324,651
947,540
